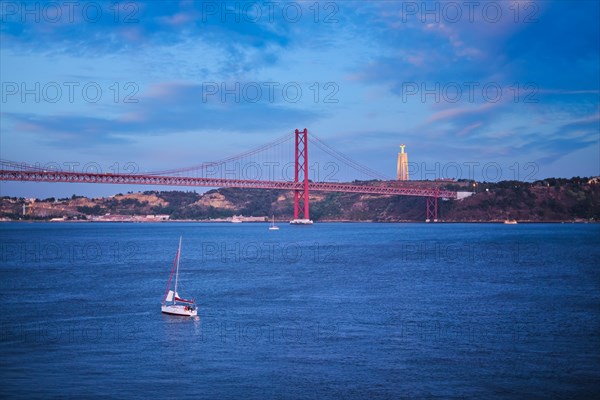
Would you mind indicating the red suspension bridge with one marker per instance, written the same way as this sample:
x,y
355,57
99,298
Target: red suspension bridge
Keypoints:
x,y
236,172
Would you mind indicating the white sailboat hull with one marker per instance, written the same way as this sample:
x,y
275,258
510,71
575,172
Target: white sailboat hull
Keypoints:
x,y
179,310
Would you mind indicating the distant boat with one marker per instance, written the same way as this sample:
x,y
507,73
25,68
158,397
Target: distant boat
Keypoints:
x,y
273,227
172,303
301,222
510,221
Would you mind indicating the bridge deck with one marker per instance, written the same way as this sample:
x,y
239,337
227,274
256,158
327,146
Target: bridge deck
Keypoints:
x,y
140,179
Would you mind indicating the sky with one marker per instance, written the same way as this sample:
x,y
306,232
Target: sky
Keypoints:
x,y
490,90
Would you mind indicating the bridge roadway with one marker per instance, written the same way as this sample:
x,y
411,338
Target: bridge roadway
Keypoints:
x,y
141,179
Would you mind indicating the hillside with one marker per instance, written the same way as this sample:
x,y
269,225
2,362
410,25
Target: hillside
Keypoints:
x,y
576,199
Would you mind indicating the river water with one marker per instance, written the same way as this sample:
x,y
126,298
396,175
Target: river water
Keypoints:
x,y
324,311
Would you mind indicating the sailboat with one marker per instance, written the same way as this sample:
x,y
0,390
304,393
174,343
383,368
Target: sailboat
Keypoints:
x,y
273,227
172,303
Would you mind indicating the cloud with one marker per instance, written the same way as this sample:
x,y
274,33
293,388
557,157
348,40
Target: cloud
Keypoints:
x,y
498,130
468,129
166,108
529,43
64,24
136,29
452,114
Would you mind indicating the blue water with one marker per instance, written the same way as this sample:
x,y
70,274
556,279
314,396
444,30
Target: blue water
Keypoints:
x,y
328,311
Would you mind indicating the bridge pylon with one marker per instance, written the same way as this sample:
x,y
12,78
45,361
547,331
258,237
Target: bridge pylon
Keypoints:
x,y
431,207
301,172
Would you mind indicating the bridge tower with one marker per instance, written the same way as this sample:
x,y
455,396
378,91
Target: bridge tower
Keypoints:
x,y
301,172
431,207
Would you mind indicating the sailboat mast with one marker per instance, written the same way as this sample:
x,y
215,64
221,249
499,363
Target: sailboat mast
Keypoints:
x,y
177,270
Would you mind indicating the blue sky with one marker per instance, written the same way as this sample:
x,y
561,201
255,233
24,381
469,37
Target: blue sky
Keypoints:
x,y
482,89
